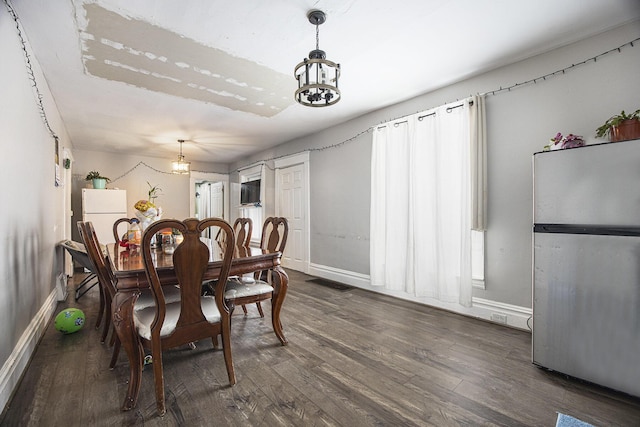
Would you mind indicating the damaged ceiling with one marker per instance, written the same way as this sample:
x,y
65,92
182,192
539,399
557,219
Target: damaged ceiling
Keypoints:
x,y
134,77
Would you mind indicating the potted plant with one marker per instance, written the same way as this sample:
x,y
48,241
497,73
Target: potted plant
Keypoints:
x,y
154,192
559,142
621,127
98,181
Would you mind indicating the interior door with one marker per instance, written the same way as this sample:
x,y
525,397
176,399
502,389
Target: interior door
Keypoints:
x,y
292,202
217,200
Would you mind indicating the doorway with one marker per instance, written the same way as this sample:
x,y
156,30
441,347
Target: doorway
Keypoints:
x,y
209,195
209,200
292,202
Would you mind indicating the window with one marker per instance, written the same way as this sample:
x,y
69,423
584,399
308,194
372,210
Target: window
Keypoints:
x,y
424,191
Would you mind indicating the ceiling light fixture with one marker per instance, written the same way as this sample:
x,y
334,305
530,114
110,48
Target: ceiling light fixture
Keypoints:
x,y
317,77
180,167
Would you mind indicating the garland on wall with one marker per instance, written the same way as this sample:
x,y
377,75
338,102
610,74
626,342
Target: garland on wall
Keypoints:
x,y
141,163
43,114
30,73
563,70
501,89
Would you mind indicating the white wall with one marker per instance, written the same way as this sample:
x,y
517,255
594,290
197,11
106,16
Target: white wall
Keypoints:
x,y
32,209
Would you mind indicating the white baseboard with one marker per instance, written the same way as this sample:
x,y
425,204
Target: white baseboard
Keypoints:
x,y
17,362
515,315
493,311
343,276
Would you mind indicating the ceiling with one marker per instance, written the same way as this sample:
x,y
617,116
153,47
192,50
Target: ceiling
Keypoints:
x,y
136,76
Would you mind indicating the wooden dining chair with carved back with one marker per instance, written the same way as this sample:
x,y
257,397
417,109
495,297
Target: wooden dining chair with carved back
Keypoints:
x,y
108,282
106,279
242,291
117,235
168,325
242,228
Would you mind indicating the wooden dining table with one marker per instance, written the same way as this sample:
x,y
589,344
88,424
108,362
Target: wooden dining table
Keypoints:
x,y
129,271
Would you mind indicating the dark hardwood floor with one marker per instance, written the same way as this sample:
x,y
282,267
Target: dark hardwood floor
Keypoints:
x,y
355,358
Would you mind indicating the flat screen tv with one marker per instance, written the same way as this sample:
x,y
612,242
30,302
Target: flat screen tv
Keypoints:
x,y
250,192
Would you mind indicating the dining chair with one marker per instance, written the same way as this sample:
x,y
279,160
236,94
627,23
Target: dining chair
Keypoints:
x,y
79,254
106,279
117,236
242,228
242,291
168,325
108,282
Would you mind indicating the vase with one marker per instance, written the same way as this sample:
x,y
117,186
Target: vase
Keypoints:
x,y
628,129
99,183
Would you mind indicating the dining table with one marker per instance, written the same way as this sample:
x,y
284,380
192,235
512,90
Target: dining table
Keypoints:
x,y
131,278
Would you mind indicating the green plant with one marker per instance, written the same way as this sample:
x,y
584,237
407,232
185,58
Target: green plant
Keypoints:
x,y
154,192
605,129
95,175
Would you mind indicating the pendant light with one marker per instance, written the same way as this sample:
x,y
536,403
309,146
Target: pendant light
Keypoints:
x,y
180,167
317,77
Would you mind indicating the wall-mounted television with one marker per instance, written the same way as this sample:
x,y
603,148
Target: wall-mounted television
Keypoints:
x,y
250,192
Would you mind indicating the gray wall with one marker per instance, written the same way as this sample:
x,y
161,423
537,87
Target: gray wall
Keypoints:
x,y
174,198
32,209
520,122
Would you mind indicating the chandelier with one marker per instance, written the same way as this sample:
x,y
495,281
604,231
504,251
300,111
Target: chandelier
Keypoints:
x,y
180,167
317,77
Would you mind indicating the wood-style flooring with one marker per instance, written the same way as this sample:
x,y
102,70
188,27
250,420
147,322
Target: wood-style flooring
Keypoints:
x,y
355,358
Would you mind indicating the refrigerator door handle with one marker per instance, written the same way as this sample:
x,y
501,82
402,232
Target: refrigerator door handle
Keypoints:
x,y
596,230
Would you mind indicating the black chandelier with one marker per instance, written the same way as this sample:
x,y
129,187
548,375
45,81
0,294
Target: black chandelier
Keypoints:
x,y
317,77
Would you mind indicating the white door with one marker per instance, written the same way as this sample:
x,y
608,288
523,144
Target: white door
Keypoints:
x,y
292,194
210,200
217,200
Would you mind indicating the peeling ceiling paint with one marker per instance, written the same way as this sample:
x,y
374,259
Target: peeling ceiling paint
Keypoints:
x,y
133,77
132,51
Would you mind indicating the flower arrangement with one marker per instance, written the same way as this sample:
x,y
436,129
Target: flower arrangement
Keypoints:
x,y
559,142
146,210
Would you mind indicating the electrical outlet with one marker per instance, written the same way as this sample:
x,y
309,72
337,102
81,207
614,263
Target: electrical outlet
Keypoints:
x,y
499,318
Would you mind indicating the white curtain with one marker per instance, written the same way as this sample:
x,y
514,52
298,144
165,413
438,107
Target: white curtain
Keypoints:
x,y
421,204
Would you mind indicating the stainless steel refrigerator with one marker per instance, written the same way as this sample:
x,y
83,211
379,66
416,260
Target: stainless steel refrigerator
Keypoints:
x,y
103,208
586,263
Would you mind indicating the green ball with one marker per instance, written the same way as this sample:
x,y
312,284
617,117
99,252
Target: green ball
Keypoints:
x,y
69,320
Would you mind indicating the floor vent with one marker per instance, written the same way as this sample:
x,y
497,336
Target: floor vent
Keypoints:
x,y
331,284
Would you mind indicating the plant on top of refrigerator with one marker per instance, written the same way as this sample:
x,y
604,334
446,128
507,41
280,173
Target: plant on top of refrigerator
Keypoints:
x,y
95,175
559,142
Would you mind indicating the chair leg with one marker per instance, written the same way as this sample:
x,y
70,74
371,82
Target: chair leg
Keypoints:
x,y
226,349
101,309
260,309
116,352
159,380
107,320
114,337
244,309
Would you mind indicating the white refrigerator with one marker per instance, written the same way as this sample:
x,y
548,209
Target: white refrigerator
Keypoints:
x,y
103,208
586,263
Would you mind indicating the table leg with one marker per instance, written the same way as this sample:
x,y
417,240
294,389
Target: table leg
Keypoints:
x,y
280,286
123,323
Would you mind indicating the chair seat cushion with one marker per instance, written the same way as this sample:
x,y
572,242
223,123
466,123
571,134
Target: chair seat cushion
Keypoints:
x,y
144,317
239,288
171,294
